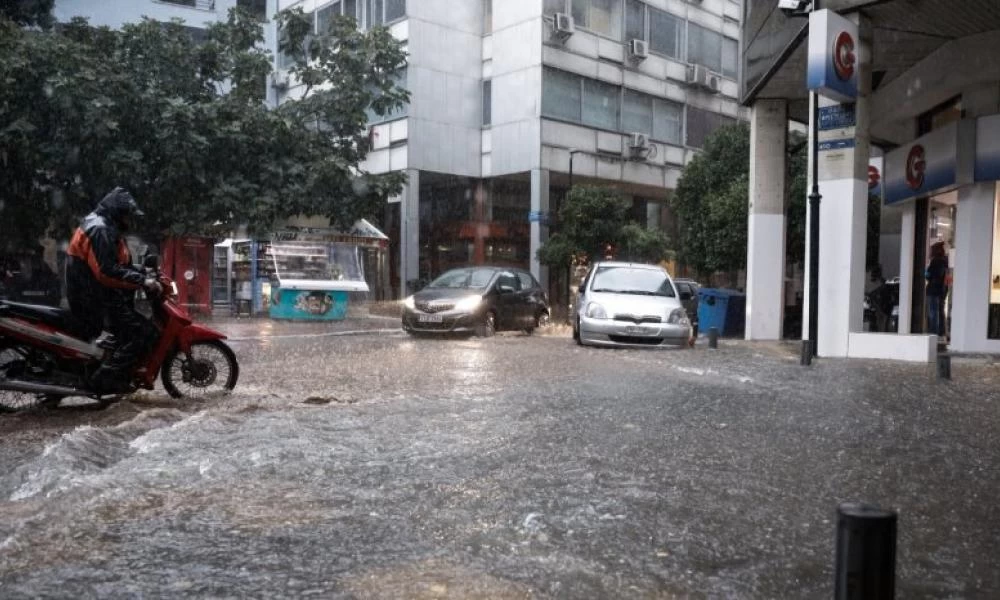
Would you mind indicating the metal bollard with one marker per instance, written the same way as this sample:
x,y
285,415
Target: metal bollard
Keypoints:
x,y
866,553
713,337
944,366
806,358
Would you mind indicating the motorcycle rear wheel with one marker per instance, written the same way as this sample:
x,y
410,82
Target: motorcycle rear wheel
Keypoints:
x,y
12,361
211,369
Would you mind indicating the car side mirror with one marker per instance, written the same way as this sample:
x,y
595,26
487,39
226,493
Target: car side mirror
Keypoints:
x,y
151,262
505,289
685,296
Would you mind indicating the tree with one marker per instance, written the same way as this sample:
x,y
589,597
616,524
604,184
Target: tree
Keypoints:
x,y
711,202
32,13
184,126
593,218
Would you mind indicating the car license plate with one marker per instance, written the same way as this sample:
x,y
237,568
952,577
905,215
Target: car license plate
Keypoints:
x,y
430,318
637,330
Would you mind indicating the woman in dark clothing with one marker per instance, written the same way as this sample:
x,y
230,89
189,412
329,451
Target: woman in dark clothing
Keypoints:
x,y
937,271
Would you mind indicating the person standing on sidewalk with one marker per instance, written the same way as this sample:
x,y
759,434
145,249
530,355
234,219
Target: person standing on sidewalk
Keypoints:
x,y
937,289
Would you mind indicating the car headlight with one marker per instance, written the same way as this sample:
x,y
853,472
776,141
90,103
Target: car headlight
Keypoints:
x,y
409,303
678,317
596,311
469,303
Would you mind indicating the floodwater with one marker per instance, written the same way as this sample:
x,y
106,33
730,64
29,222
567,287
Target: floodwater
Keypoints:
x,y
383,467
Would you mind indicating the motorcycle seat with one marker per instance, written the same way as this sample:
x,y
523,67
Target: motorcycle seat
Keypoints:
x,y
54,317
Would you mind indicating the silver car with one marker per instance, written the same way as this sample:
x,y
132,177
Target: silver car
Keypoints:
x,y
626,304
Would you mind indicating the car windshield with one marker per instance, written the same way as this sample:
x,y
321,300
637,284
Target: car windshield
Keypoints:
x,y
632,280
473,279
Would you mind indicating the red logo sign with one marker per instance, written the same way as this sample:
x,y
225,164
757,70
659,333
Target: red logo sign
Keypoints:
x,y
844,58
874,177
915,167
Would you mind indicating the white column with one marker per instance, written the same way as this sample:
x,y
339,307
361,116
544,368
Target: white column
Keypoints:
x,y
973,265
844,223
539,232
766,236
906,240
409,235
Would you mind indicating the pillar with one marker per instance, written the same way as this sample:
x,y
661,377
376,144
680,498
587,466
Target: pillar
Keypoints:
x,y
973,266
766,235
843,176
409,235
539,228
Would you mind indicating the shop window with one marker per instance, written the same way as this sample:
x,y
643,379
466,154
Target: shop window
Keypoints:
x,y
993,331
665,33
704,47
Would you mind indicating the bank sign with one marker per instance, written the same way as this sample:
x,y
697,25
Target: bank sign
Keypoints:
x,y
833,56
923,167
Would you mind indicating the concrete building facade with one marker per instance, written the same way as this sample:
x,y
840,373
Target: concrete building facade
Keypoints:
x,y
927,108
505,94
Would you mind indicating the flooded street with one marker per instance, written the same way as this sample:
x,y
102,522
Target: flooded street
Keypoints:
x,y
378,466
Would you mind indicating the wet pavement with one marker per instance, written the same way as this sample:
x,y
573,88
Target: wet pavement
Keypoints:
x,y
354,462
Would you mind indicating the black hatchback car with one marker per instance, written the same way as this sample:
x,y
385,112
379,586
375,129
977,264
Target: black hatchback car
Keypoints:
x,y
477,300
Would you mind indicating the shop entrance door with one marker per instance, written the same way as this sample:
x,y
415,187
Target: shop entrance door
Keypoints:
x,y
935,233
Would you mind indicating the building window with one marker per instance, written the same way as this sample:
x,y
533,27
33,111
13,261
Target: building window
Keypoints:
x,y
665,33
487,102
561,95
286,60
701,123
600,16
487,16
399,79
635,20
374,12
202,4
657,118
730,58
601,104
637,113
704,47
325,15
257,8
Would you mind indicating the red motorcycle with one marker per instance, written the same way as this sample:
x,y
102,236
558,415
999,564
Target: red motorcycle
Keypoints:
x,y
43,359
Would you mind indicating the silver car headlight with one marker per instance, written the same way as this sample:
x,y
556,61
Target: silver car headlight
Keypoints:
x,y
595,311
678,317
409,303
469,303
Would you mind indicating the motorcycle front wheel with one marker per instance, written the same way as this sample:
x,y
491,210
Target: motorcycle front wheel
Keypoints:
x,y
12,365
210,369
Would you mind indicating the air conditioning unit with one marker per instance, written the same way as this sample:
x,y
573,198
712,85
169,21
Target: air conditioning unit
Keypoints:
x,y
280,80
700,77
638,50
562,26
638,145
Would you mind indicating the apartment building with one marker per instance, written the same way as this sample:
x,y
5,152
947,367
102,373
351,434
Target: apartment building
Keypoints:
x,y
510,99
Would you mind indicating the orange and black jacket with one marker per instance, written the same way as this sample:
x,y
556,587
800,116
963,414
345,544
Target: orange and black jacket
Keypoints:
x,y
98,255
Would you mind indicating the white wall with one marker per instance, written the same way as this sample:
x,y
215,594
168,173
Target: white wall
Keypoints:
x,y
974,248
445,83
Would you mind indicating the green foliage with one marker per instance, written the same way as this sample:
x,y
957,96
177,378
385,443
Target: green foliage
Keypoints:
x,y
184,126
32,13
590,219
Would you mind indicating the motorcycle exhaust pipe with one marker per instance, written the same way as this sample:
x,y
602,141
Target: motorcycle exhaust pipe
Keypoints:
x,y
27,387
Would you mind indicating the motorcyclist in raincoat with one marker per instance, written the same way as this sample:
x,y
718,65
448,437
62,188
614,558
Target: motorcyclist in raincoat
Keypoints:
x,y
101,284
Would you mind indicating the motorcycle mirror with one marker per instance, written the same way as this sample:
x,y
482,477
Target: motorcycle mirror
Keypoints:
x,y
151,262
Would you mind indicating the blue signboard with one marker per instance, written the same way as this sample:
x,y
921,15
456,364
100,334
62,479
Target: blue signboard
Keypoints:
x,y
838,116
836,144
538,217
833,63
308,305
